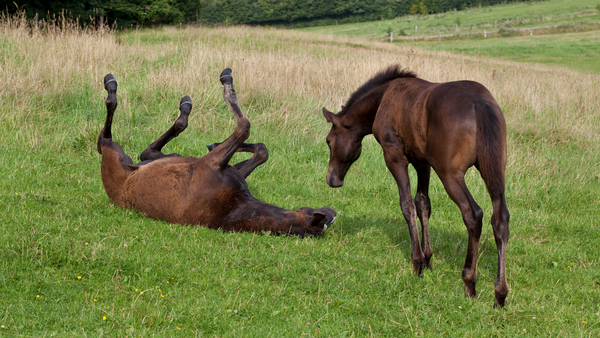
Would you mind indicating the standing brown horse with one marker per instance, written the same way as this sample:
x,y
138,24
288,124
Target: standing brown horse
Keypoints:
x,y
202,191
445,126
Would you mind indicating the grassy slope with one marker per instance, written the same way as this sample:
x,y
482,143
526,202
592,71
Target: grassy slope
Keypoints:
x,y
574,50
58,225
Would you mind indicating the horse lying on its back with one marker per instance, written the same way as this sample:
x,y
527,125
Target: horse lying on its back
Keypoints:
x,y
204,191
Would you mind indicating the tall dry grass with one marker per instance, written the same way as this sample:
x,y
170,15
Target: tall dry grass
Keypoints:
x,y
296,72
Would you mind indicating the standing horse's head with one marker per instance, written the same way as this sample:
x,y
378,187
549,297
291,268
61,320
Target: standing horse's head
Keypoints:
x,y
345,144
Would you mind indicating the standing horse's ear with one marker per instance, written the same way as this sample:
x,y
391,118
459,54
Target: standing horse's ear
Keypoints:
x,y
328,115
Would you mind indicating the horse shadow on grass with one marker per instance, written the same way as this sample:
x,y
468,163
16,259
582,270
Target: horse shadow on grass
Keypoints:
x,y
448,240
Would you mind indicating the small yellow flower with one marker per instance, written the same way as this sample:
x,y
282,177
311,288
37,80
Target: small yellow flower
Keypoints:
x,y
167,282
162,296
158,290
95,300
86,243
103,317
78,277
141,292
38,296
135,290
178,328
583,321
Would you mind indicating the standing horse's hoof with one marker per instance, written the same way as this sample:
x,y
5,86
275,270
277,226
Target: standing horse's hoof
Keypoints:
x,y
418,268
501,293
470,291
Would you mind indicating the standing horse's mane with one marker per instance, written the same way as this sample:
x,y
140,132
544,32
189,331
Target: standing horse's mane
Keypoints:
x,y
391,73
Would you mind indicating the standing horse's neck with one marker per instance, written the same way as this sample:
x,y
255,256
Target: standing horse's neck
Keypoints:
x,y
362,113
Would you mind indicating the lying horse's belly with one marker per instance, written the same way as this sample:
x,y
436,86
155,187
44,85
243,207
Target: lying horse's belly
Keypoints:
x,y
185,191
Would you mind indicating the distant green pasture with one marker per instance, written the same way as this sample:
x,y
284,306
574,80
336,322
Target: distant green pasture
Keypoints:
x,y
580,51
531,14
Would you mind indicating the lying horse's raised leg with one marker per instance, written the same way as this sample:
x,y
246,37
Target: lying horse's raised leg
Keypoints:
x,y
154,150
116,165
472,215
423,207
260,156
222,154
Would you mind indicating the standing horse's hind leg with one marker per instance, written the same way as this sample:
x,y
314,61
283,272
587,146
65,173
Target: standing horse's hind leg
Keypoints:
x,y
154,150
423,207
472,216
500,219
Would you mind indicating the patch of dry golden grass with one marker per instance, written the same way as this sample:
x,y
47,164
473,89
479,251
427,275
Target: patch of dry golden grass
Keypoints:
x,y
297,72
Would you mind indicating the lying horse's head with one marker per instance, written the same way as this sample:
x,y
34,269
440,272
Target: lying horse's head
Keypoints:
x,y
345,144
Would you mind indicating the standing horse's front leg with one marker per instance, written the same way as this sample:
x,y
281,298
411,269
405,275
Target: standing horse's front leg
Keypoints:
x,y
259,152
423,206
397,163
222,154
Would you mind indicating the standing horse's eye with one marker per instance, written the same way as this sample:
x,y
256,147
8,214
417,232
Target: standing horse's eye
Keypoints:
x,y
327,142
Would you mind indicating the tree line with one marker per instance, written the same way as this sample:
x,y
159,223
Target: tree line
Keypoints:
x,y
286,13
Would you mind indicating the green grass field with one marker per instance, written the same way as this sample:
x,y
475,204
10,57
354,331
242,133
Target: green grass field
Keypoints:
x,y
73,264
574,43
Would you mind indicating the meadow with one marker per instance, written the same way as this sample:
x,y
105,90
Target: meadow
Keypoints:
x,y
73,264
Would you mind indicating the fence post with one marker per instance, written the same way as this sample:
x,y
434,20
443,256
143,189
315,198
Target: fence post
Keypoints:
x,y
415,30
391,36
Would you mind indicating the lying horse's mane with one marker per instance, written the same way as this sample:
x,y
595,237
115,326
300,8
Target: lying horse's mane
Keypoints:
x,y
391,73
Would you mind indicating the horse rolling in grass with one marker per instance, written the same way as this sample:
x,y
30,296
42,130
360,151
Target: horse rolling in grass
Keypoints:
x,y
204,191
445,126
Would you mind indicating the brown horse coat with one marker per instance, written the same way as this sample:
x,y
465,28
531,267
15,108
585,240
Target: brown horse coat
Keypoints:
x,y
204,191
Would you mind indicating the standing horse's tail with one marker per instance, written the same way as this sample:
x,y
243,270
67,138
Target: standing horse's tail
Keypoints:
x,y
491,145
491,158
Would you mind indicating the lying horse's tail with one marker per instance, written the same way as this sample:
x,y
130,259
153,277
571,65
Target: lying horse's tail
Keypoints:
x,y
491,145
